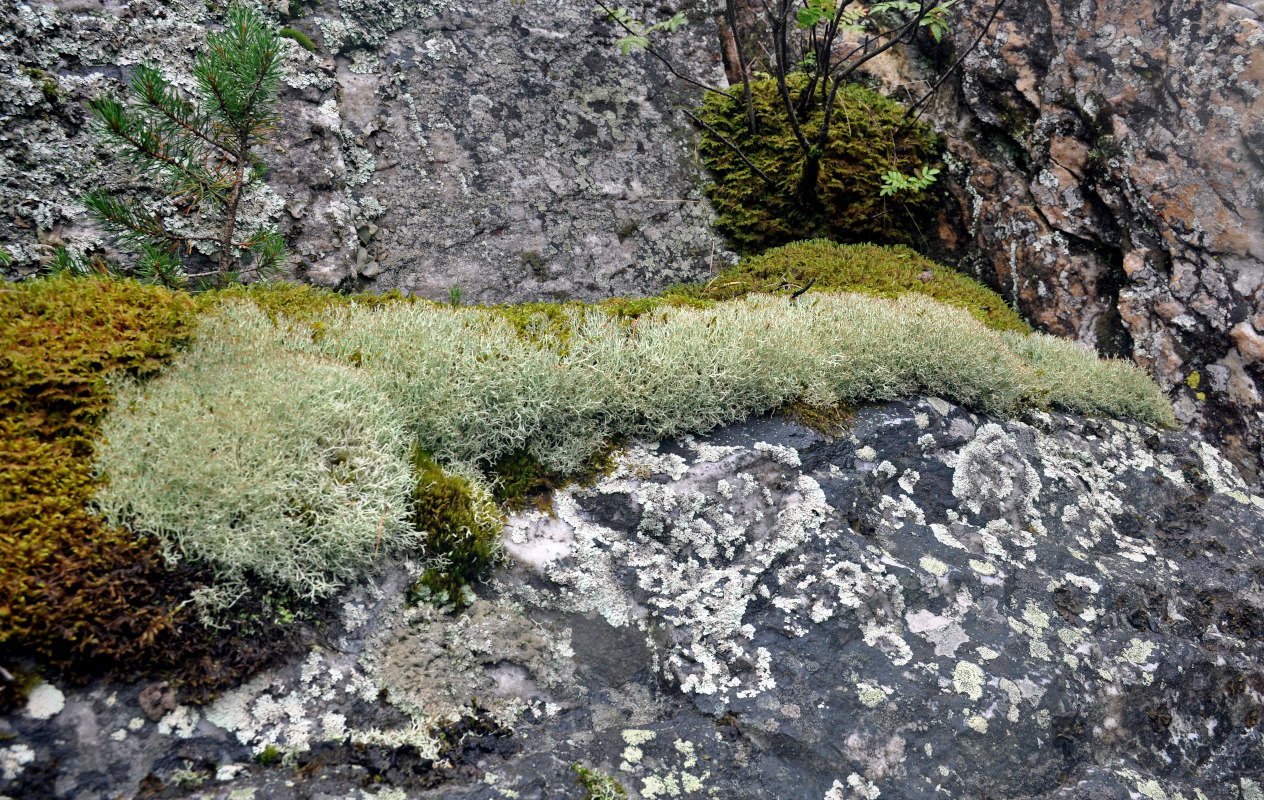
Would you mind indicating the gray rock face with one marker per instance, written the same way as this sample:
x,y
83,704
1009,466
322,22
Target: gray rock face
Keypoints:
x,y
506,148
1108,173
935,604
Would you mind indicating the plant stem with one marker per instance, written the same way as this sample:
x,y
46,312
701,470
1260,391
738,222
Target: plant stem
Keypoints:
x,y
230,210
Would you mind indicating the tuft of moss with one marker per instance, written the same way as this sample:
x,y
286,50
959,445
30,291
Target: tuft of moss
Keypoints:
x,y
881,271
74,592
270,755
296,302
829,421
462,532
532,260
519,479
597,784
551,325
543,324
299,37
863,145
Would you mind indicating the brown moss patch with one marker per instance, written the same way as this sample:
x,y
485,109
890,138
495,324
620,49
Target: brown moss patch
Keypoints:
x,y
74,593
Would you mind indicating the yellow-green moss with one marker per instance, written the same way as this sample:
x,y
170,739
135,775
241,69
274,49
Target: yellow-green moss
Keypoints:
x,y
297,302
461,542
597,784
882,271
298,37
551,324
543,324
74,592
270,755
863,145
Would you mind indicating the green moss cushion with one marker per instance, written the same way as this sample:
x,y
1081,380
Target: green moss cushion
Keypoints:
x,y
866,140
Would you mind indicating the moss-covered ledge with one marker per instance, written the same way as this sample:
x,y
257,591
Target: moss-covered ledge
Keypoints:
x,y
275,405
301,437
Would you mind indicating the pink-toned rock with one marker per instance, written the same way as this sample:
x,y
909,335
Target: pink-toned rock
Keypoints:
x,y
1168,309
1108,174
1242,388
1069,152
1250,343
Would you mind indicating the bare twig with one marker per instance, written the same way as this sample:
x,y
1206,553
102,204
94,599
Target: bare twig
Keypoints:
x,y
736,150
730,11
379,534
666,62
919,105
802,291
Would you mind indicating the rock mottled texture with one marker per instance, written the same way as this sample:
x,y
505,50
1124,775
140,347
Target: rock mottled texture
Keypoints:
x,y
504,148
936,604
1108,170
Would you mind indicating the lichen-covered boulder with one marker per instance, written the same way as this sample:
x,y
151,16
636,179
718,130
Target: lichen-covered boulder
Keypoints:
x,y
935,603
505,148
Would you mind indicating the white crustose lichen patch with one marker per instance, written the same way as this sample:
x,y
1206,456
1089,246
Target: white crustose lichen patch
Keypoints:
x,y
45,702
13,759
699,552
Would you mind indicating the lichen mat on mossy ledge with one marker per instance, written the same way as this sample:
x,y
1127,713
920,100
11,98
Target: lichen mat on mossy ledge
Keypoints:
x,y
291,444
282,449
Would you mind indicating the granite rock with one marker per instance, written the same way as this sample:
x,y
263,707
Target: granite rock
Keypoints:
x,y
1107,178
503,147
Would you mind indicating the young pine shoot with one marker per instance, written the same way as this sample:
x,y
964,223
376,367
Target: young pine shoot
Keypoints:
x,y
203,149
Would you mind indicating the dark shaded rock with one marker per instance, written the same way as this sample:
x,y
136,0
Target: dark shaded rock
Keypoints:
x,y
935,602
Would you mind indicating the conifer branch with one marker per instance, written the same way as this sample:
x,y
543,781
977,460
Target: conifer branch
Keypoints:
x,y
165,99
201,145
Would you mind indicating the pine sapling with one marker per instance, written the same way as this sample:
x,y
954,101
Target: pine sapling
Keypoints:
x,y
202,148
